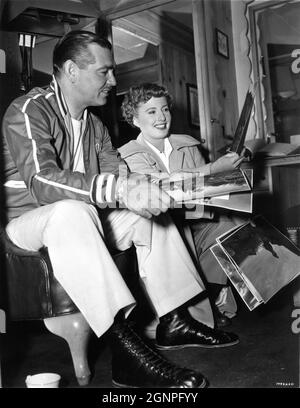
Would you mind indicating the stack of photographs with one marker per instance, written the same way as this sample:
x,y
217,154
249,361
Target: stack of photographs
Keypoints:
x,y
258,259
195,186
235,201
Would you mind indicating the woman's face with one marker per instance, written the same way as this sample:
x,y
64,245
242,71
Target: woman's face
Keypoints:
x,y
153,118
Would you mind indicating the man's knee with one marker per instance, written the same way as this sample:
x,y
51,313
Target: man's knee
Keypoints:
x,y
73,206
74,211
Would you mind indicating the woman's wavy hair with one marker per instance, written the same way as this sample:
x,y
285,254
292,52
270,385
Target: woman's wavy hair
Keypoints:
x,y
141,94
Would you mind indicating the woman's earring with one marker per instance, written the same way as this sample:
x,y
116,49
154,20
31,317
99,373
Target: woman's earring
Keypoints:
x,y
135,122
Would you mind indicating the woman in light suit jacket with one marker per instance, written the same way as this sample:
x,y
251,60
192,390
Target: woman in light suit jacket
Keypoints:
x,y
156,151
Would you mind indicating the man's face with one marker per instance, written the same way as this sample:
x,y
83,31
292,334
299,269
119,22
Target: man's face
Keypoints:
x,y
95,81
154,118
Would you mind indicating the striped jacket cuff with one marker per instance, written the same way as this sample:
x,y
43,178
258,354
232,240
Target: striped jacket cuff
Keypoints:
x,y
103,189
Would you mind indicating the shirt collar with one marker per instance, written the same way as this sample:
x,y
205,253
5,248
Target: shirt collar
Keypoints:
x,y
167,147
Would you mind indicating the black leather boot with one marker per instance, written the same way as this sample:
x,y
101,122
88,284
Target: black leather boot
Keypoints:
x,y
137,365
178,329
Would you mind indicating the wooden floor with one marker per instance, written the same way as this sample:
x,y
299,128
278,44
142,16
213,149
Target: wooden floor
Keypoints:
x,y
267,356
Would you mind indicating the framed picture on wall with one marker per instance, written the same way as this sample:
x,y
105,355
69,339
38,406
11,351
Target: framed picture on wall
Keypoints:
x,y
192,105
222,45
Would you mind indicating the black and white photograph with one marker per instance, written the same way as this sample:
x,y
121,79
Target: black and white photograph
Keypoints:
x,y
149,198
232,200
222,43
231,270
193,105
266,259
193,186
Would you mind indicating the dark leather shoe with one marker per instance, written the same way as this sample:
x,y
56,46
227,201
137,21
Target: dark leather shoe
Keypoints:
x,y
220,319
178,330
137,365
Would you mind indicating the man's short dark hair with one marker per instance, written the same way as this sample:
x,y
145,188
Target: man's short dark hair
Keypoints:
x,y
74,46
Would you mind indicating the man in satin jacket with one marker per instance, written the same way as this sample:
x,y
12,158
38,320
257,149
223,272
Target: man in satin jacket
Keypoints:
x,y
68,190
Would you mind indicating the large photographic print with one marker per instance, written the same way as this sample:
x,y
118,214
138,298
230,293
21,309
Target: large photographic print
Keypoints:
x,y
235,278
193,186
266,257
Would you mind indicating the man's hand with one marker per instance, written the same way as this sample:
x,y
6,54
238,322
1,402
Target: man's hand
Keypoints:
x,y
141,196
229,161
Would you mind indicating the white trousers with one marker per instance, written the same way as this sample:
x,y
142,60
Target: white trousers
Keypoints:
x,y
77,244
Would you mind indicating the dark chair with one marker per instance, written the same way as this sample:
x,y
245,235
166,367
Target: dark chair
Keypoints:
x,y
32,292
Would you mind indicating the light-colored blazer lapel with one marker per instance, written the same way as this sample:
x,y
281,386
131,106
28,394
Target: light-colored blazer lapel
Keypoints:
x,y
157,162
176,159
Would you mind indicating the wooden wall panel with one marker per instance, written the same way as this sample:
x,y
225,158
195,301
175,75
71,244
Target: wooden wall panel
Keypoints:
x,y
178,69
131,78
222,80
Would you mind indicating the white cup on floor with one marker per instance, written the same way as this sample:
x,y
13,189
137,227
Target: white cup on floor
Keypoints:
x,y
43,380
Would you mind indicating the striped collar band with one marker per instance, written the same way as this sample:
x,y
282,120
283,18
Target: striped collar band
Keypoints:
x,y
63,107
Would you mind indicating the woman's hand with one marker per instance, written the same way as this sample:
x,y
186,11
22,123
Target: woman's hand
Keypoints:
x,y
229,161
181,175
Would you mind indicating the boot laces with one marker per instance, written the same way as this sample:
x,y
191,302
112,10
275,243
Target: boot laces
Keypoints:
x,y
151,359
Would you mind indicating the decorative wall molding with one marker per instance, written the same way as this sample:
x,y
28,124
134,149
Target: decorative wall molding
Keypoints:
x,y
243,57
246,34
